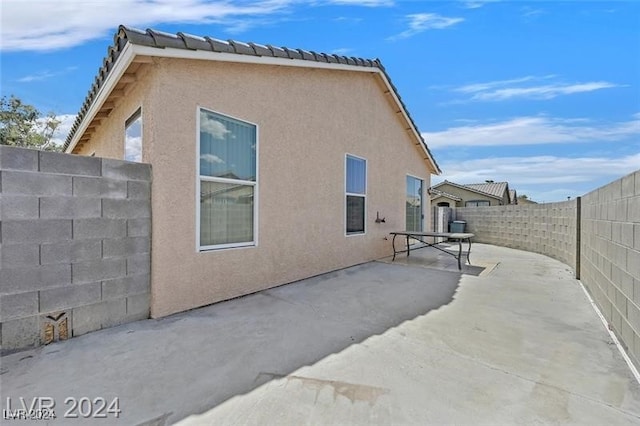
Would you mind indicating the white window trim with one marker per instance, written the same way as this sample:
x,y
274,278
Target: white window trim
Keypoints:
x,y
137,112
422,199
366,189
217,247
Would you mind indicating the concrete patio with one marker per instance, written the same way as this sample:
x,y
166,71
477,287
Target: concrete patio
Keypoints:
x,y
512,339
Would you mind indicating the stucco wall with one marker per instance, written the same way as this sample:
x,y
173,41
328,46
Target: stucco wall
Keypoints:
x,y
308,119
610,261
548,229
108,139
74,245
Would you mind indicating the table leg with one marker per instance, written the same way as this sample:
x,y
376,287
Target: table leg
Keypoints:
x,y
469,252
393,243
459,253
408,249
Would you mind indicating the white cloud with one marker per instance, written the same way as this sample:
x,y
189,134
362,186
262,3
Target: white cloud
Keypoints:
x,y
477,4
421,22
342,51
44,75
212,126
38,76
542,178
47,25
365,3
503,90
63,129
210,158
133,149
533,130
481,87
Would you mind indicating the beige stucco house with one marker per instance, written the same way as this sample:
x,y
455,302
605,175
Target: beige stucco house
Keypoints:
x,y
269,164
488,193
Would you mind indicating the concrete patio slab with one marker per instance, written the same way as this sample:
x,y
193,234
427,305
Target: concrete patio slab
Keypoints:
x,y
378,343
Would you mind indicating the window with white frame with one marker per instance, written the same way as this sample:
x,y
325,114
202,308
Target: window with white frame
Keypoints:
x,y
133,137
227,164
356,194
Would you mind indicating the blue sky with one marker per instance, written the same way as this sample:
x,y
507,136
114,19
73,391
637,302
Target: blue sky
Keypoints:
x,y
544,95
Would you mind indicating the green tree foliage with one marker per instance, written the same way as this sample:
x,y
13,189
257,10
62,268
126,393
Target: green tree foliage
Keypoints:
x,y
22,125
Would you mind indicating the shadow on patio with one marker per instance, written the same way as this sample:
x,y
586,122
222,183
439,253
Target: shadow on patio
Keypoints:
x,y
164,370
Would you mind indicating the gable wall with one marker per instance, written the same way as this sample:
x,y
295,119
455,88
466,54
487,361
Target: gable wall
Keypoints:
x,y
308,119
108,139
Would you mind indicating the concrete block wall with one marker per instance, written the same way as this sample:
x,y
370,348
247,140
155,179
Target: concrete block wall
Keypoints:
x,y
610,260
74,245
549,229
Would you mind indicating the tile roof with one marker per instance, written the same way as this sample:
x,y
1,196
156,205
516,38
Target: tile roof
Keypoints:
x,y
469,187
439,193
161,40
492,188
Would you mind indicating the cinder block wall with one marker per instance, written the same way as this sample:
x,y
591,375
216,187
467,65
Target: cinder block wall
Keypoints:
x,y
610,256
74,245
548,229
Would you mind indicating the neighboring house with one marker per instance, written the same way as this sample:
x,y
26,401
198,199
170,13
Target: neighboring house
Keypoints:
x,y
269,164
489,193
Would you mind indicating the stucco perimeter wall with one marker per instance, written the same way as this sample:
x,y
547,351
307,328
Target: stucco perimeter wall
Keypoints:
x,y
610,266
548,229
74,245
307,119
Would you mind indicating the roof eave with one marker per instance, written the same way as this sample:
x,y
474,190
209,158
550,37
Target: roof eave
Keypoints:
x,y
122,63
130,49
412,126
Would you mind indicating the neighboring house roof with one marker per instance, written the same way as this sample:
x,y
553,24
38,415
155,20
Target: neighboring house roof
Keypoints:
x,y
493,188
468,188
130,42
439,193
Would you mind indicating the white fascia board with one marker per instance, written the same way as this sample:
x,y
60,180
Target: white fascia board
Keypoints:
x,y
415,132
206,55
122,63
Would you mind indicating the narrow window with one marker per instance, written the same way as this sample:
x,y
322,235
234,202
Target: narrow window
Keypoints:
x,y
356,193
133,137
414,204
227,181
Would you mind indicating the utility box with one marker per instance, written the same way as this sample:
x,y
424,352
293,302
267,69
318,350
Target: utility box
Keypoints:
x,y
457,226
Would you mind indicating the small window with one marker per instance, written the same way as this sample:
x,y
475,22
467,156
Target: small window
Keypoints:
x,y
133,137
227,182
476,203
356,193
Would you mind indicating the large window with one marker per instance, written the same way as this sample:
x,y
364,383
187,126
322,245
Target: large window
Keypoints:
x,y
227,181
414,204
133,137
356,194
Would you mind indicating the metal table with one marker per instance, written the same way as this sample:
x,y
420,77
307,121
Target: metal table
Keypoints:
x,y
458,237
